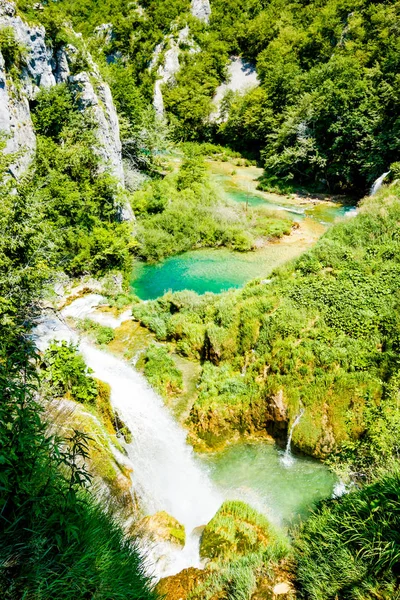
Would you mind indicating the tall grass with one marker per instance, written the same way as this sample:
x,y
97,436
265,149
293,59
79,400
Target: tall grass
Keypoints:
x,y
350,548
56,542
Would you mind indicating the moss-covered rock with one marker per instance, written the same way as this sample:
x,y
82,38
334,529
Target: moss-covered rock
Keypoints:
x,y
109,466
162,527
235,530
178,587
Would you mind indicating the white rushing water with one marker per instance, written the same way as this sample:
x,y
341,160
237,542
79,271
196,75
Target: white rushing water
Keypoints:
x,y
166,474
376,186
287,458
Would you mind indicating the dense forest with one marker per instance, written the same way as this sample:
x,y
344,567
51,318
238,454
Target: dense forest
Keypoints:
x,y
325,113
322,332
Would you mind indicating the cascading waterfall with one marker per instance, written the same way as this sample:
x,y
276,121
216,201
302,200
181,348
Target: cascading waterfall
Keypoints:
x,y
287,458
376,186
166,474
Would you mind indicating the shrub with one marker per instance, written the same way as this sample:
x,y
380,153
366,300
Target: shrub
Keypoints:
x,y
161,372
66,372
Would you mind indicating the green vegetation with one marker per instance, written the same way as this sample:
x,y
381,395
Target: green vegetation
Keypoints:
x,y
65,370
322,335
79,204
235,529
245,551
325,327
324,115
185,211
160,370
13,53
55,540
103,335
350,548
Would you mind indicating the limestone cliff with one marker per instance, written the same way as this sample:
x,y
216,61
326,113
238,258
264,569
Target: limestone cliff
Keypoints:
x,y
44,67
168,65
201,9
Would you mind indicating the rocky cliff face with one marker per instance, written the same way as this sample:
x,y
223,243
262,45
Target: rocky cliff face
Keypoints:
x,y
169,67
201,9
44,68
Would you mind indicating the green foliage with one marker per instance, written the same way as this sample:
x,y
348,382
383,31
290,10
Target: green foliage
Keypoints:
x,y
55,541
324,116
325,327
236,529
66,372
12,51
186,211
244,548
160,370
350,547
79,204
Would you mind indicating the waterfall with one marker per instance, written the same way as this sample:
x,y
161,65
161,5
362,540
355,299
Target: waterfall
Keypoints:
x,y
287,458
378,183
166,474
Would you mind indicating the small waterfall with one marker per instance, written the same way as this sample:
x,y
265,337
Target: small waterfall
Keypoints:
x,y
166,474
287,458
376,186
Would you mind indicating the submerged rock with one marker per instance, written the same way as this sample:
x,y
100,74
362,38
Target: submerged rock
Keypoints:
x,y
162,527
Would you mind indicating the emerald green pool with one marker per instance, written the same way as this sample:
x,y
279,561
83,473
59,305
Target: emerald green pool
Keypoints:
x,y
217,270
254,473
208,270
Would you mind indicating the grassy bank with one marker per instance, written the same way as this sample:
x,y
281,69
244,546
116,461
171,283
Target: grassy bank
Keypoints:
x,y
320,334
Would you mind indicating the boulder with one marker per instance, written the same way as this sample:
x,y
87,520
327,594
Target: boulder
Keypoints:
x,y
162,527
178,587
235,530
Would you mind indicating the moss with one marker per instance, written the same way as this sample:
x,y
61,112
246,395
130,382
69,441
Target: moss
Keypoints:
x,y
103,406
235,530
130,338
163,527
177,587
67,415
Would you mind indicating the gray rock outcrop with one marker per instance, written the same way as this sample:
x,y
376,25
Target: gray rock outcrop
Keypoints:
x,y
169,67
41,68
100,103
242,76
201,9
36,72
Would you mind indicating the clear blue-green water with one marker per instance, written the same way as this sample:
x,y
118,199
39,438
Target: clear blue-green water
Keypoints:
x,y
217,270
255,473
207,270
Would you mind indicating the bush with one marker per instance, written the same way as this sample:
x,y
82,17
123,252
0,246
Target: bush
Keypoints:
x,y
161,372
13,52
66,372
236,529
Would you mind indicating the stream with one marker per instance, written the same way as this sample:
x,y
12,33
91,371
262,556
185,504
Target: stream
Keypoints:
x,y
217,270
168,475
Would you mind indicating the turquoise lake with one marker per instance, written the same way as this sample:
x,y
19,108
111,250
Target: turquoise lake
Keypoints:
x,y
218,270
